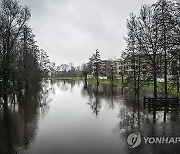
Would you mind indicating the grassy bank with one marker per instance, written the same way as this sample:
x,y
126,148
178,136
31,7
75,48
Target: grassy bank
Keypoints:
x,y
147,85
106,81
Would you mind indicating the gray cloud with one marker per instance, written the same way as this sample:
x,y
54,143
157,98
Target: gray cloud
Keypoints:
x,y
71,30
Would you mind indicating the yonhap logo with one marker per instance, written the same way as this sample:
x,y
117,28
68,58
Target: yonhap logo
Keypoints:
x,y
134,140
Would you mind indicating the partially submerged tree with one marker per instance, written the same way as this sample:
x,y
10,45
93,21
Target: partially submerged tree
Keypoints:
x,y
154,35
131,45
21,61
12,19
95,62
163,14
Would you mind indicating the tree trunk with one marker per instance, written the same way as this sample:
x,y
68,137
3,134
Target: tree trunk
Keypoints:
x,y
85,76
122,77
155,82
165,75
177,81
138,82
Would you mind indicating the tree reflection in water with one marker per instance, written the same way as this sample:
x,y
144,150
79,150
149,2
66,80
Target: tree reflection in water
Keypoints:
x,y
19,121
96,94
65,85
133,117
94,102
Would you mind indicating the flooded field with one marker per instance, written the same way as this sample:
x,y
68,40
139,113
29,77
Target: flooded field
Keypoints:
x,y
74,117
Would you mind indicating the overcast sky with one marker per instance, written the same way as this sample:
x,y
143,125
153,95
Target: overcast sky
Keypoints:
x,y
71,30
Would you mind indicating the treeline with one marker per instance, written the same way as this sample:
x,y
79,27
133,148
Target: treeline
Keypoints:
x,y
22,62
154,38
67,70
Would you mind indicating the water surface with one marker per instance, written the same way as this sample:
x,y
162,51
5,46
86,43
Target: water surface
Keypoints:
x,y
77,117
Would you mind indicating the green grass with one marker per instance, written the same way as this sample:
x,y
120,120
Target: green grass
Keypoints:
x,y
147,85
172,89
106,81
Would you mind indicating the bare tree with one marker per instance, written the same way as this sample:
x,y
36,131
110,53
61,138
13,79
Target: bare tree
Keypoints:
x,y
12,19
154,35
21,60
163,12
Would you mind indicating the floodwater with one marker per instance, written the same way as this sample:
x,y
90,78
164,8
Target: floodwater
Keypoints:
x,y
74,117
